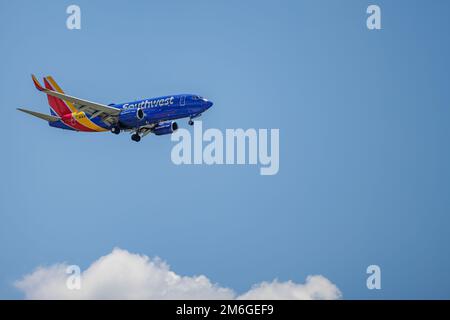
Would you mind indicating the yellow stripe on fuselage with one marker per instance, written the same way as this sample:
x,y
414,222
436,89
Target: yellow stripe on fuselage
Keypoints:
x,y
83,119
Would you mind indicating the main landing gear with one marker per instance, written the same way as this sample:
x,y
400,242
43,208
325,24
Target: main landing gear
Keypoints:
x,y
115,130
191,122
136,137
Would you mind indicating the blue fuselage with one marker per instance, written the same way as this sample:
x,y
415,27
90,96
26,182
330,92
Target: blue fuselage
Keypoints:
x,y
143,112
137,114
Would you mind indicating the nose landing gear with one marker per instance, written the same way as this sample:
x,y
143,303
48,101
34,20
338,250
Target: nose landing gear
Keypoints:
x,y
193,116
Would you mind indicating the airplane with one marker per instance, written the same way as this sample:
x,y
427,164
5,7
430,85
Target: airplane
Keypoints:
x,y
141,117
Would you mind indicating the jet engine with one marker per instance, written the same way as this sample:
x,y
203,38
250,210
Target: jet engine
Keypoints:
x,y
165,128
131,117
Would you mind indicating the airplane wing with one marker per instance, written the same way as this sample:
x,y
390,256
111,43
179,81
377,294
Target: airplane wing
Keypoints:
x,y
145,130
106,113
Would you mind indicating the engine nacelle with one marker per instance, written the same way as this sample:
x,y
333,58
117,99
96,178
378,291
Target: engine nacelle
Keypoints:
x,y
131,117
140,114
165,128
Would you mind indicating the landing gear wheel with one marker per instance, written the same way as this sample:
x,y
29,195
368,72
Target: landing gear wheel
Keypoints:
x,y
115,130
136,137
191,123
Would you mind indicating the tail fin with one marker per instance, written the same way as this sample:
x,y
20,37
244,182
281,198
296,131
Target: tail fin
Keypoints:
x,y
42,116
58,107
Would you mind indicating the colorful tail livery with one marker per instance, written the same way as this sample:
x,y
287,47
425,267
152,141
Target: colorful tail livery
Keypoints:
x,y
153,115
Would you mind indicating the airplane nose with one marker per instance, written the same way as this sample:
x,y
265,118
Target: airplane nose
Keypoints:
x,y
209,104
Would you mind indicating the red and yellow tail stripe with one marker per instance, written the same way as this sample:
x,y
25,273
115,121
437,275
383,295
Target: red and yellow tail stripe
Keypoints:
x,y
66,110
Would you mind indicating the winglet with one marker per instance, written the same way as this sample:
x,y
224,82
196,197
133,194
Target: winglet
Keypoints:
x,y
37,84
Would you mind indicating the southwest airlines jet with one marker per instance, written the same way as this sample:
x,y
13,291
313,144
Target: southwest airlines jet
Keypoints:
x,y
140,117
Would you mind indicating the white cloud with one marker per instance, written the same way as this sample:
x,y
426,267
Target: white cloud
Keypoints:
x,y
315,288
124,275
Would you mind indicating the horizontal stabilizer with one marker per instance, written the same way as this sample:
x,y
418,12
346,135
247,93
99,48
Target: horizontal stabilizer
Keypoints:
x,y
42,116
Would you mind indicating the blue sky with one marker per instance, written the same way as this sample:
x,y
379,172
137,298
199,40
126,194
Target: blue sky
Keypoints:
x,y
364,130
